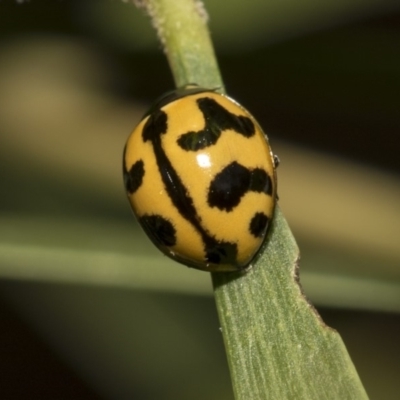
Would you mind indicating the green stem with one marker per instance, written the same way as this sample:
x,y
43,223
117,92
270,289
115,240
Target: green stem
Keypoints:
x,y
277,346
182,29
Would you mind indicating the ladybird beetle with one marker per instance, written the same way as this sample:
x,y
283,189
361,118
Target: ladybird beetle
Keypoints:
x,y
200,178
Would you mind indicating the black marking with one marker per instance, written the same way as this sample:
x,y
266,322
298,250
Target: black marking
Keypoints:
x,y
233,182
160,230
228,187
259,224
133,178
124,170
221,253
217,119
154,127
260,181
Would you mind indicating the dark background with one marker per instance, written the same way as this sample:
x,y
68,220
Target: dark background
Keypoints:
x,y
334,90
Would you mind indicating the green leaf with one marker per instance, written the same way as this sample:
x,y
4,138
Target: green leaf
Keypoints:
x,y
277,345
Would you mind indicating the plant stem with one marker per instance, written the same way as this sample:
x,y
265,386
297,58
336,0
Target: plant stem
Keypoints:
x,y
277,346
182,29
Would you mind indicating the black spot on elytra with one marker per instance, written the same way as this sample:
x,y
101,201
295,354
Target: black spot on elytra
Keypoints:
x,y
228,186
233,182
133,178
260,181
221,252
217,119
160,230
259,224
155,126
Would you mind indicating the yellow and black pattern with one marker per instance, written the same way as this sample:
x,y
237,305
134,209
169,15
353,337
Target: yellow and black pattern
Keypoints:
x,y
200,178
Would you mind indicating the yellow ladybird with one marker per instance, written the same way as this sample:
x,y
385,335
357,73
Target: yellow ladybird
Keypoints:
x,y
200,177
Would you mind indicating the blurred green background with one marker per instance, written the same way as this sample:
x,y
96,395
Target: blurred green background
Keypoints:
x,y
88,308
